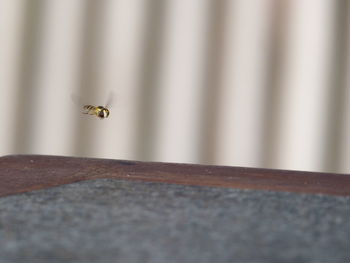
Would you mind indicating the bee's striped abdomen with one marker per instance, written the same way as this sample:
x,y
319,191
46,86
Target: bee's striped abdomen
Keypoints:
x,y
89,107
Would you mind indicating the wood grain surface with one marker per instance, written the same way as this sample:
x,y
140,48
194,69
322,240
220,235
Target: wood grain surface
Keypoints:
x,y
23,173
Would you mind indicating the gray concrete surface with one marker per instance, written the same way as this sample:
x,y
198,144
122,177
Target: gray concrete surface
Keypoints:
x,y
124,221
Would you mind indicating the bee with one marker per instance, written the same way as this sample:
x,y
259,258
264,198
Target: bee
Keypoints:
x,y
99,111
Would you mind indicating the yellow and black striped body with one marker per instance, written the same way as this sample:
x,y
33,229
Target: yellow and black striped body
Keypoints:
x,y
99,111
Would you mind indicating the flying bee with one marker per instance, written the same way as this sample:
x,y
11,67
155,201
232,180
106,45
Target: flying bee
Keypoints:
x,y
99,111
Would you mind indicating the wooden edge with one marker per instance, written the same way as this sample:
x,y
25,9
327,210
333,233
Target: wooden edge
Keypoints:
x,y
23,173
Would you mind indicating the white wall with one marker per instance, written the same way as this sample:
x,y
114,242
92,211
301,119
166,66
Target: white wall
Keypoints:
x,y
153,56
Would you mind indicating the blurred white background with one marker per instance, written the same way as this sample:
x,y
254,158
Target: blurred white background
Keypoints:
x,y
259,83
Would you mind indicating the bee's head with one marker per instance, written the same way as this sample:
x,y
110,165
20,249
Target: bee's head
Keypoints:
x,y
103,113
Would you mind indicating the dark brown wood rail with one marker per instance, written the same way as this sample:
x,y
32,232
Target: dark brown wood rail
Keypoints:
x,y
23,173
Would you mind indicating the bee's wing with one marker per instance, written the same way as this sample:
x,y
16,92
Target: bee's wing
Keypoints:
x,y
78,101
110,99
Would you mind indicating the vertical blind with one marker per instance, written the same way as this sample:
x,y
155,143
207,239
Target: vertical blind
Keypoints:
x,y
261,83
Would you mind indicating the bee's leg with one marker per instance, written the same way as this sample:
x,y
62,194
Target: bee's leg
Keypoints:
x,y
88,111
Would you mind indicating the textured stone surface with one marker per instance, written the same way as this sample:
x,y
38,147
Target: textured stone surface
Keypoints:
x,y
110,220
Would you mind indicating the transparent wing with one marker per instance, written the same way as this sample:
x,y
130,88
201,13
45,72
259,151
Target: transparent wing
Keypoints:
x,y
77,100
110,99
